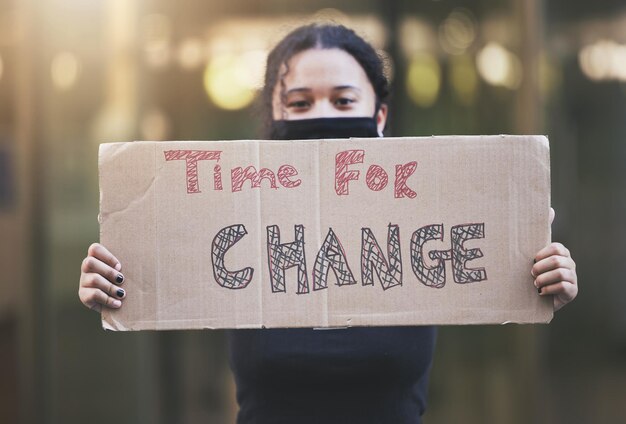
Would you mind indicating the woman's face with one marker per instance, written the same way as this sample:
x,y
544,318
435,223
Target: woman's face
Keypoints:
x,y
326,83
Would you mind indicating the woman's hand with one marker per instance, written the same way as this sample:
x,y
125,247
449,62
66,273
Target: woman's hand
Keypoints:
x,y
555,273
100,277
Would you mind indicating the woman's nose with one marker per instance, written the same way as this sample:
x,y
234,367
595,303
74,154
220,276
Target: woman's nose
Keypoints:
x,y
324,109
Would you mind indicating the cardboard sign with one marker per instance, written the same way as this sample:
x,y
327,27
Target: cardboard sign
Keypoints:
x,y
326,233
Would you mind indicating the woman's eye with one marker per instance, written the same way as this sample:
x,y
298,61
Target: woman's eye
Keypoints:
x,y
298,104
344,101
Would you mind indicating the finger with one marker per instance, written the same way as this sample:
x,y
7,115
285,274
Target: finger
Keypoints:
x,y
552,215
97,281
565,290
552,262
100,252
552,249
97,299
93,265
555,276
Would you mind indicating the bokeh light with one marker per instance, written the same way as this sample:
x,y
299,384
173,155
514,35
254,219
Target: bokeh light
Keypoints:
x,y
64,70
155,125
156,34
232,80
416,36
372,29
458,31
603,60
463,78
190,53
423,79
499,67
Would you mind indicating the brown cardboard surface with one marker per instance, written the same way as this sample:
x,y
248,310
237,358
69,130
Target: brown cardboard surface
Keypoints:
x,y
370,232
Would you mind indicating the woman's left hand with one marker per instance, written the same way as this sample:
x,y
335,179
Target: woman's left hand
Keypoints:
x,y
555,273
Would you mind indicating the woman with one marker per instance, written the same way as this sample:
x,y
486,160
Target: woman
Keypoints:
x,y
323,81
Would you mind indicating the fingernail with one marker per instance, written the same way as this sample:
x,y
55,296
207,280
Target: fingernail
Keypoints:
x,y
119,278
534,260
539,291
120,292
535,283
118,266
117,303
532,273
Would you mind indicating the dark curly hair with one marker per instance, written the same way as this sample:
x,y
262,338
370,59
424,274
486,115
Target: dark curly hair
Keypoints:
x,y
325,36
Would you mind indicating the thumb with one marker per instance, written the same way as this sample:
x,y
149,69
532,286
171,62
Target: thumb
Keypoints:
x,y
552,214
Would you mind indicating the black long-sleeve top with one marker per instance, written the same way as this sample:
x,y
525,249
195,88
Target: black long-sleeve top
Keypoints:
x,y
355,375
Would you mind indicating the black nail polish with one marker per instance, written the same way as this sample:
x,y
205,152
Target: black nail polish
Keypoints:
x,y
539,291
120,292
119,278
535,261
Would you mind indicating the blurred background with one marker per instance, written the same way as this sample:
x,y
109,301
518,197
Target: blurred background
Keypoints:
x,y
76,73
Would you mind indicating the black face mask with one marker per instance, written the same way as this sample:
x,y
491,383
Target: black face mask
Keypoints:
x,y
307,129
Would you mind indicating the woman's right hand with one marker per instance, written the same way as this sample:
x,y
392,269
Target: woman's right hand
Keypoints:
x,y
100,278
